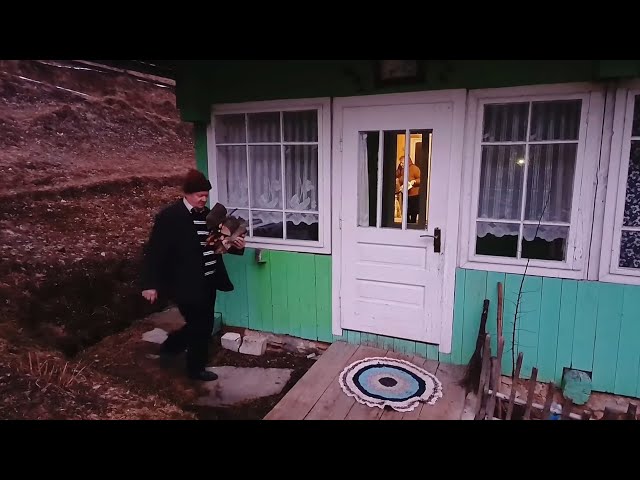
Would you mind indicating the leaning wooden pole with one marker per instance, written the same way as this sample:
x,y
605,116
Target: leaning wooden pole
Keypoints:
x,y
514,383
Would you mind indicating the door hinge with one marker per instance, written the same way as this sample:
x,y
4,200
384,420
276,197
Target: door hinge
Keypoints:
x,y
340,223
341,144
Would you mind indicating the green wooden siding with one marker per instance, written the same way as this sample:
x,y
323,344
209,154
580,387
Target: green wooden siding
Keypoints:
x,y
607,336
550,304
288,294
590,326
627,365
564,351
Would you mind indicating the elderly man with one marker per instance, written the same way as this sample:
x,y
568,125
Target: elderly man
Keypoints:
x,y
180,264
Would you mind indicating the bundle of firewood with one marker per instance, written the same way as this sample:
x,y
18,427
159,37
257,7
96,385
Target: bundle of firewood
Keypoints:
x,y
224,228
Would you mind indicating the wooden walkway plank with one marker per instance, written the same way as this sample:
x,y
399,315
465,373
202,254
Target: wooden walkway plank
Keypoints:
x,y
334,404
430,366
450,406
298,401
318,395
363,412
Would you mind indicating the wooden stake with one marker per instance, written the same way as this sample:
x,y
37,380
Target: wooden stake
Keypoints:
x,y
631,411
500,308
534,405
514,383
532,386
567,406
484,376
499,358
491,402
551,389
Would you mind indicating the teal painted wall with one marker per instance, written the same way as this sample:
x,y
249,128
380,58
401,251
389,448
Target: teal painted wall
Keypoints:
x,y
590,326
290,293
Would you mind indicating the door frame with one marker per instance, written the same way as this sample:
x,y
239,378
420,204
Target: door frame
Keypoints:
x,y
458,100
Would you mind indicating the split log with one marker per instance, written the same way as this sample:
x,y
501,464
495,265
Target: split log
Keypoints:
x,y
532,386
548,401
514,383
484,378
631,412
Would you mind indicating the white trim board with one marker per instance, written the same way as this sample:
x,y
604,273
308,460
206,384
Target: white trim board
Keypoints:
x,y
616,187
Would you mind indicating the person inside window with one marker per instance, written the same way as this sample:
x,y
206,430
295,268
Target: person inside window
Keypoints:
x,y
413,188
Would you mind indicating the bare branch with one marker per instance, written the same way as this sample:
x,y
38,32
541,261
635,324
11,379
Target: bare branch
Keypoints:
x,y
525,330
531,291
520,291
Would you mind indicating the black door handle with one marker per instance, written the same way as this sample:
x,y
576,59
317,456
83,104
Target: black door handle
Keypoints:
x,y
436,239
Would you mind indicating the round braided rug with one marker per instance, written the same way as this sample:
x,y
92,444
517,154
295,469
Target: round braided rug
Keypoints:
x,y
382,381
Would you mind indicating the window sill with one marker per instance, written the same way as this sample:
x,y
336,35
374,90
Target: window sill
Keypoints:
x,y
532,270
287,246
632,279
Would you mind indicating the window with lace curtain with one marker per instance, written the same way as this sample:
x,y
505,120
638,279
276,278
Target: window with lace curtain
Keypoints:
x,y
270,166
620,260
534,164
526,179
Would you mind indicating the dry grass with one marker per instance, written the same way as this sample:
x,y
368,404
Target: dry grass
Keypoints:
x,y
51,372
41,385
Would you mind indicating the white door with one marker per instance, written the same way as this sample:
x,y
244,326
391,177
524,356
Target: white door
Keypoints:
x,y
393,232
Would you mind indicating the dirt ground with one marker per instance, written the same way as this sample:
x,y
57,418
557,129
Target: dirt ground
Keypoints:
x,y
87,159
132,360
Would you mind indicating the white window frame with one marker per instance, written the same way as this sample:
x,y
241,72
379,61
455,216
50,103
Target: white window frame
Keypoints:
x,y
590,133
616,188
323,105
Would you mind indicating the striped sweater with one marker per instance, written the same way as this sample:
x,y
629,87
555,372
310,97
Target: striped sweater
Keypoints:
x,y
208,257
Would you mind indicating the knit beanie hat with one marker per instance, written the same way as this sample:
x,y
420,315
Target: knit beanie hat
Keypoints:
x,y
195,181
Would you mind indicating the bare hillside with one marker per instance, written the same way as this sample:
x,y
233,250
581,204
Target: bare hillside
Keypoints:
x,y
87,158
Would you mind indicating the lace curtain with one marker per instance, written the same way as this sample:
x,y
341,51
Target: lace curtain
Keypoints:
x,y
252,151
551,131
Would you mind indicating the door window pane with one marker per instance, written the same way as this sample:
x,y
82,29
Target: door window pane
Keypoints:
x,y
388,202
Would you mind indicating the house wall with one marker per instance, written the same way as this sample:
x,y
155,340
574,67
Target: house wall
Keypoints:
x,y
591,326
290,293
